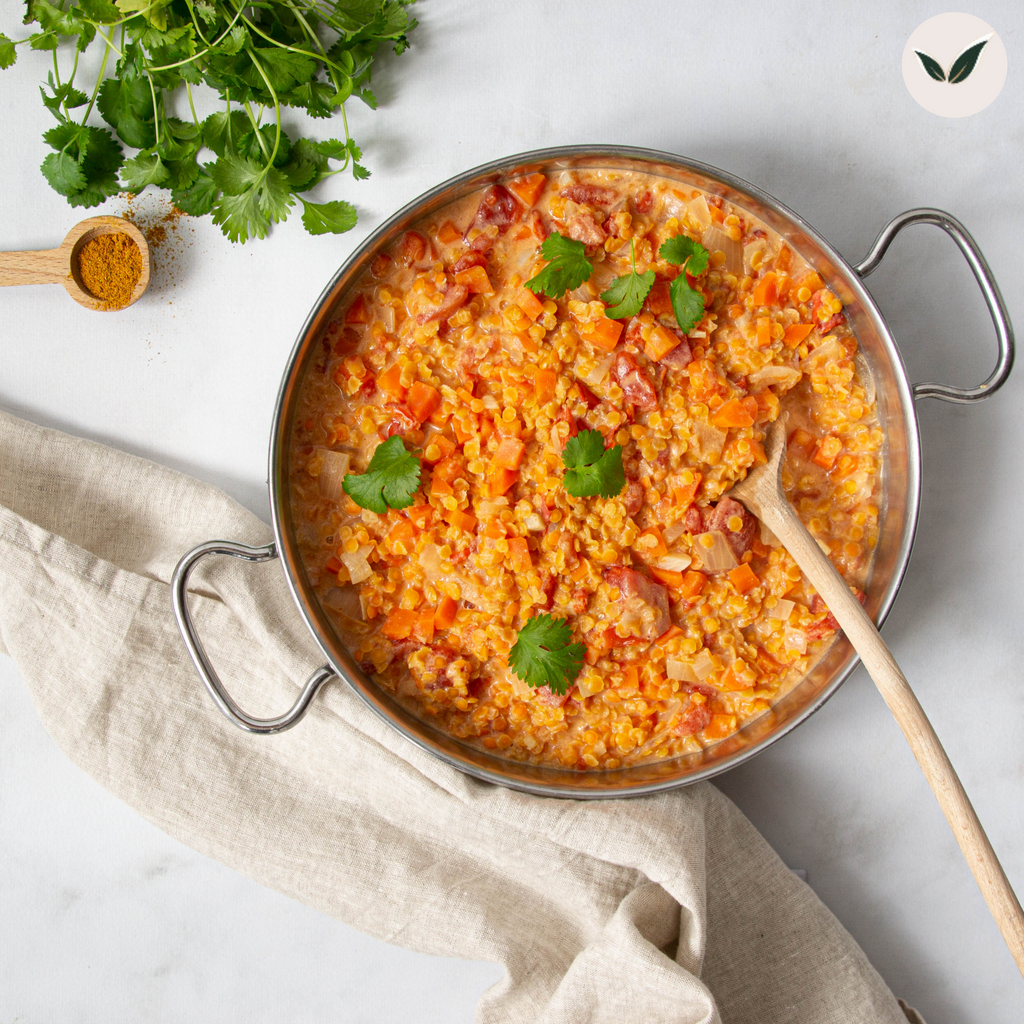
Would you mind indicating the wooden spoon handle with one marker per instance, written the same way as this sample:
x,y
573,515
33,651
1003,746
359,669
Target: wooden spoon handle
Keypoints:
x,y
48,266
893,685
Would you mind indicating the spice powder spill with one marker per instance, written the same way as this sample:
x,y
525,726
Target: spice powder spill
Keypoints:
x,y
109,267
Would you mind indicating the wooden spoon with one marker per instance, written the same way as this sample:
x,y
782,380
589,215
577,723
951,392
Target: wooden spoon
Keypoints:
x,y
60,265
762,493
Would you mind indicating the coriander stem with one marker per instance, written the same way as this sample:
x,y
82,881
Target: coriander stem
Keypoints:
x,y
277,105
156,112
99,81
192,106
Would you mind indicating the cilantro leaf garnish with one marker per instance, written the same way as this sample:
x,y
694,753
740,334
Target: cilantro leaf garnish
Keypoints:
x,y
543,654
390,479
626,294
568,267
260,58
590,468
687,302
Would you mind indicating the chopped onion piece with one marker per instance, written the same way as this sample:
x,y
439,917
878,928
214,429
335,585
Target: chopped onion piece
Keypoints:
x,y
589,683
680,670
750,252
356,563
785,376
830,351
597,373
703,666
534,523
768,538
673,533
491,507
430,561
675,562
490,402
387,314
715,552
710,440
782,610
698,210
867,380
795,640
335,467
716,240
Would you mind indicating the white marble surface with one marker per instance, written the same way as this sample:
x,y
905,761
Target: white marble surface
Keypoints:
x,y
104,918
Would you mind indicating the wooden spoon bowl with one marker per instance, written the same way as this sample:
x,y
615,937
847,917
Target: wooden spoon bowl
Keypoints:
x,y
60,265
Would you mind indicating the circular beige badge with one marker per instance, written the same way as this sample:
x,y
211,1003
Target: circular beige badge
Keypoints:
x,y
954,65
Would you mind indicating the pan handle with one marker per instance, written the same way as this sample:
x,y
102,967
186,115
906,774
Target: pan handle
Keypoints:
x,y
179,597
989,290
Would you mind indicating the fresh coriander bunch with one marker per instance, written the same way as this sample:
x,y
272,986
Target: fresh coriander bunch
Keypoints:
x,y
258,56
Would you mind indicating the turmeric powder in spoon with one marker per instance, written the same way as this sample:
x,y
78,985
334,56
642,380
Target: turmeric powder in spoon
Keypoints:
x,y
110,266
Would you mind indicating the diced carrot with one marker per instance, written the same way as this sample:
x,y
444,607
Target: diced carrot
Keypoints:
x,y
766,291
670,577
658,300
783,259
630,677
501,479
509,452
720,727
358,312
528,188
802,441
448,469
603,333
795,333
423,627
693,583
737,412
461,520
670,634
464,427
660,343
448,233
685,493
744,578
812,281
651,544
716,213
438,485
785,283
476,280
732,680
486,427
519,555
333,565
445,614
445,447
398,625
828,449
494,530
522,232
764,331
529,304
510,428
403,532
420,515
390,382
544,385
423,400
757,450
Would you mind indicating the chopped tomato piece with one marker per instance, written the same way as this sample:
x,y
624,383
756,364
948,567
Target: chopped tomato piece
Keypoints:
x,y
658,300
358,312
412,248
333,565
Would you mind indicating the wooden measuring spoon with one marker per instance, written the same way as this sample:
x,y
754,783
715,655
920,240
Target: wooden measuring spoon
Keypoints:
x,y
60,265
762,493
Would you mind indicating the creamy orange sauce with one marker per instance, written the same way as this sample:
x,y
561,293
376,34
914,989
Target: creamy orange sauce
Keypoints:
x,y
695,620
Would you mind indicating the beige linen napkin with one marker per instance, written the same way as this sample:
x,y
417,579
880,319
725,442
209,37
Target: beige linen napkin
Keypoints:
x,y
662,909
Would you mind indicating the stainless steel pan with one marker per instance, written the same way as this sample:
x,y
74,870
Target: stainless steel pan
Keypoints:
x,y
899,508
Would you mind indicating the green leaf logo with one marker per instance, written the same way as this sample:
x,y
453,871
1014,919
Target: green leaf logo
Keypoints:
x,y
960,69
932,66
